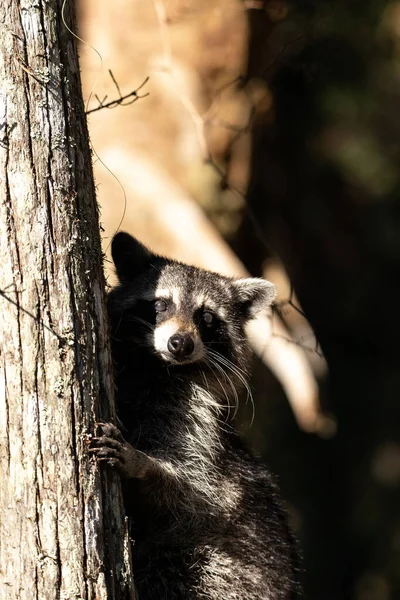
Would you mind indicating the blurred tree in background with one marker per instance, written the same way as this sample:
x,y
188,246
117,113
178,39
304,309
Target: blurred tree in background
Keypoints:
x,y
325,188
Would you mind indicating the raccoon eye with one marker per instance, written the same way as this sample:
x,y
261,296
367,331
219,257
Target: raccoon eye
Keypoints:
x,y
160,306
208,317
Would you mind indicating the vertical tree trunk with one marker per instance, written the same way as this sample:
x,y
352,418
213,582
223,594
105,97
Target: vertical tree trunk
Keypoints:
x,y
62,532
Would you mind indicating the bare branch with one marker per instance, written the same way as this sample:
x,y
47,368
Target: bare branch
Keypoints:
x,y
121,100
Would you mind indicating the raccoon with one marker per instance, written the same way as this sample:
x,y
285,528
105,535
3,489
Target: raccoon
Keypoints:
x,y
206,517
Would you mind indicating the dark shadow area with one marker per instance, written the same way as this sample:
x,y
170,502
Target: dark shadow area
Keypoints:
x,y
325,192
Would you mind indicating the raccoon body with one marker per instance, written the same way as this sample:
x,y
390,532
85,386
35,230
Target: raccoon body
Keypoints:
x,y
207,522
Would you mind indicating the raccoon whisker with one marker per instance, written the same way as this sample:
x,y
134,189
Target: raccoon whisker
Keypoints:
x,y
139,435
119,323
155,268
138,344
148,325
116,339
235,367
228,405
234,390
239,374
238,338
229,365
229,380
212,363
205,379
225,361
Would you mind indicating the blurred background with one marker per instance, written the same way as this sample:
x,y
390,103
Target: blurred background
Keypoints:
x,y
266,141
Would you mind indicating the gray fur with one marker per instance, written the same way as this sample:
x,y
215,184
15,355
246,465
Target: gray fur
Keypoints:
x,y
207,521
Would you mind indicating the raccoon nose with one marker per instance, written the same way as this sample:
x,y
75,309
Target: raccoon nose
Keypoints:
x,y
180,345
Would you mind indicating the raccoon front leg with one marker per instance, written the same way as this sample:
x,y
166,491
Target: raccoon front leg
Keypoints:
x,y
113,450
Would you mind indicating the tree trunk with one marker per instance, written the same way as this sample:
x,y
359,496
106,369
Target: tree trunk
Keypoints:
x,y
62,531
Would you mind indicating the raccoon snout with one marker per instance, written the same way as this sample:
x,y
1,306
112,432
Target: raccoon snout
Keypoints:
x,y
180,345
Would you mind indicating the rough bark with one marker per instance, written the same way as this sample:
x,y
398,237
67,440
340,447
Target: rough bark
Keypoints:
x,y
62,532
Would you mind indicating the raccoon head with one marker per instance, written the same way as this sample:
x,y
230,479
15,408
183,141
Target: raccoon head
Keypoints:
x,y
179,313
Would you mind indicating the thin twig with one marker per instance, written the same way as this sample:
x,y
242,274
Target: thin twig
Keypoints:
x,y
281,52
121,100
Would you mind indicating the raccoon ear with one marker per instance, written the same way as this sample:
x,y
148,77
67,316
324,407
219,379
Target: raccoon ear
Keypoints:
x,y
255,294
129,255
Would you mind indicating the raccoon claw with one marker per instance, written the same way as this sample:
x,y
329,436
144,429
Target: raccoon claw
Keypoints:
x,y
110,430
95,442
114,451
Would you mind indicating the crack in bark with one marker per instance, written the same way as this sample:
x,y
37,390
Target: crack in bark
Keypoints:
x,y
50,136
58,556
37,537
39,361
74,406
7,424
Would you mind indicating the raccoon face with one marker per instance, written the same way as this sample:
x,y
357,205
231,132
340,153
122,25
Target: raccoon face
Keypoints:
x,y
180,313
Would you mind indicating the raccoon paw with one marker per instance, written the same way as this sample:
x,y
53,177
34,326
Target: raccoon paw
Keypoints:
x,y
114,451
